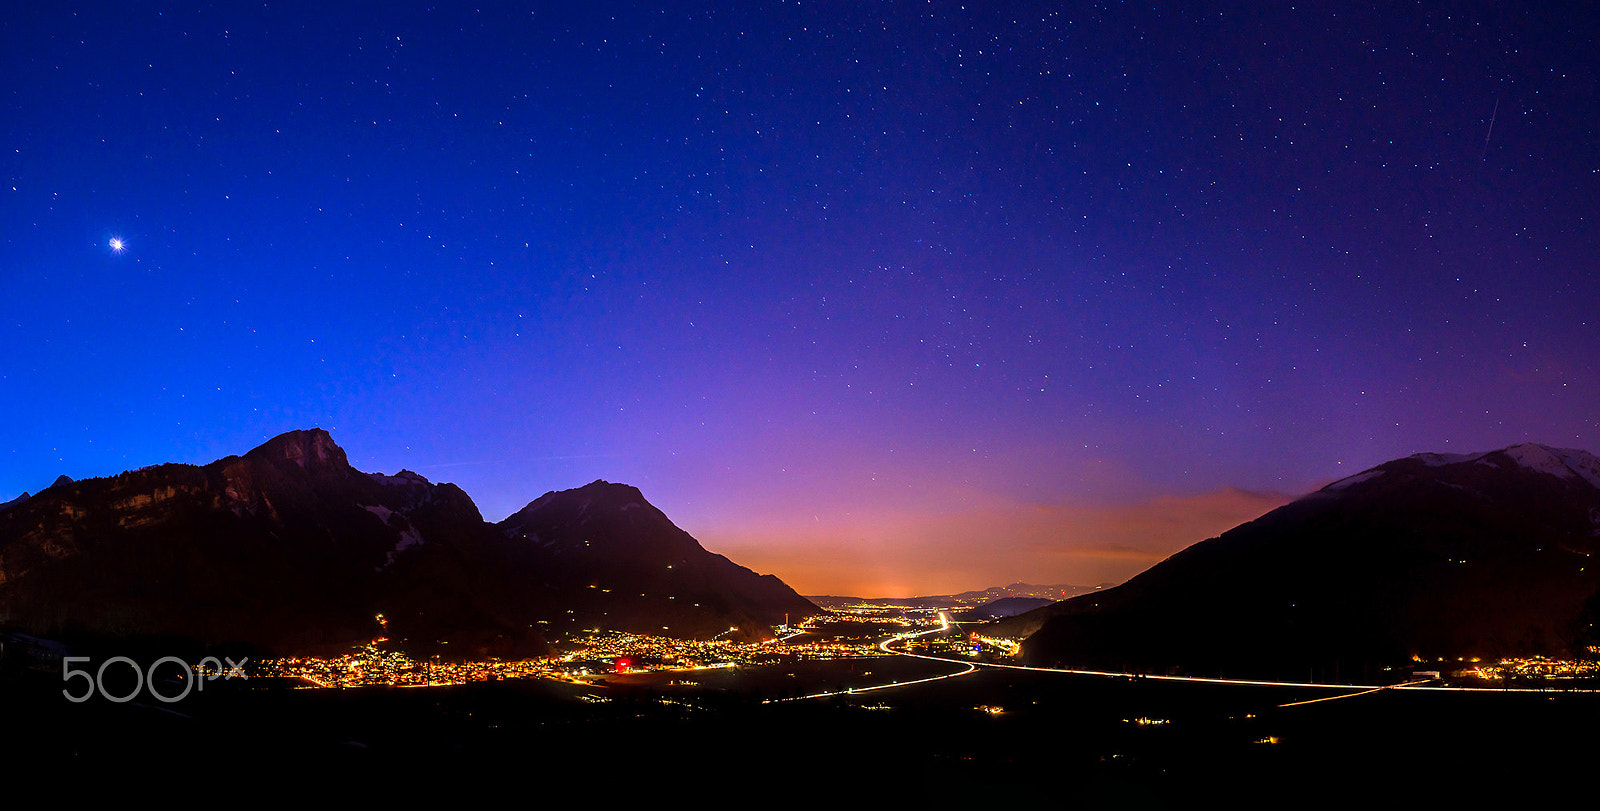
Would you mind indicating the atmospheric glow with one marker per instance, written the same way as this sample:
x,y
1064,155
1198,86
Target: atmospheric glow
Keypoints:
x,y
963,295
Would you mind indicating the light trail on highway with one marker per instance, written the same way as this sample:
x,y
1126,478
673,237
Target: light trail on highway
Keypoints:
x,y
1353,695
946,622
884,646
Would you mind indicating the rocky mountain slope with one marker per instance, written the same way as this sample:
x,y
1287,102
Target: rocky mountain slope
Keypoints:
x,y
603,540
291,549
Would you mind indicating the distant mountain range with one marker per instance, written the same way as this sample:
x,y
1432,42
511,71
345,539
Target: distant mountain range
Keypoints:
x,y
290,549
1003,607
1432,556
965,599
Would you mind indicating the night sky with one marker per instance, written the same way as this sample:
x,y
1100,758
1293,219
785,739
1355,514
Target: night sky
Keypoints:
x,y
882,298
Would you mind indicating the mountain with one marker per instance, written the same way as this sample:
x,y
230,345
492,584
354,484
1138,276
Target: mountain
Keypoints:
x,y
964,599
1432,556
1004,607
602,540
287,548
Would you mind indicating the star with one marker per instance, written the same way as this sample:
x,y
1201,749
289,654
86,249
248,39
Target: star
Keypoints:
x,y
117,245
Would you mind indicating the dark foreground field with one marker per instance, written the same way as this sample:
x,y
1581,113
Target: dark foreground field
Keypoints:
x,y
1003,738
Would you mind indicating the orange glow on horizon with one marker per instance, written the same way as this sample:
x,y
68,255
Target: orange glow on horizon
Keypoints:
x,y
906,554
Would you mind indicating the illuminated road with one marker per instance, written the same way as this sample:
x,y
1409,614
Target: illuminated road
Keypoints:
x,y
945,624
1363,689
1353,695
884,646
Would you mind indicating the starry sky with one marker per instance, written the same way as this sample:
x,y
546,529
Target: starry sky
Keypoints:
x,y
882,298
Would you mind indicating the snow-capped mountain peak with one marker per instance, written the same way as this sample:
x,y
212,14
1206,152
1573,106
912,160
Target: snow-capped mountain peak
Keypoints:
x,y
1563,463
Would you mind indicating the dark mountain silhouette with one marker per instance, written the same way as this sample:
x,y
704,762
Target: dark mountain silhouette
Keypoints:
x,y
288,548
601,541
1484,555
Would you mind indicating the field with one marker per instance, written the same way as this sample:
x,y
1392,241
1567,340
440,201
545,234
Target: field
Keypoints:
x,y
992,736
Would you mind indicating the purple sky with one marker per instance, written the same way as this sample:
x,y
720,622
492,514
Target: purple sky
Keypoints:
x,y
877,297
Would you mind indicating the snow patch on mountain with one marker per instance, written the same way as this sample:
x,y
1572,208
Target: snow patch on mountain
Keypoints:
x,y
401,479
1541,459
1349,481
1442,459
1585,464
1563,463
408,538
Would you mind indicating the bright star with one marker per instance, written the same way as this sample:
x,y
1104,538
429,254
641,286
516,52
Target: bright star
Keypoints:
x,y
117,245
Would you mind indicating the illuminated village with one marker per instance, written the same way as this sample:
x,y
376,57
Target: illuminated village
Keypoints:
x,y
596,654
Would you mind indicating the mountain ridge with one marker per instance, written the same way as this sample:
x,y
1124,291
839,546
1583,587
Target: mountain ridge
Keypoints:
x,y
290,548
1426,556
590,530
1563,463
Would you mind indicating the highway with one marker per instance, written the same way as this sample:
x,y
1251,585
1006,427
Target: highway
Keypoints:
x,y
884,646
1362,689
945,624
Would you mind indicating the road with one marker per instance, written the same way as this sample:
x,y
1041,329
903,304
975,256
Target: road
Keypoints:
x,y
945,624
1363,689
